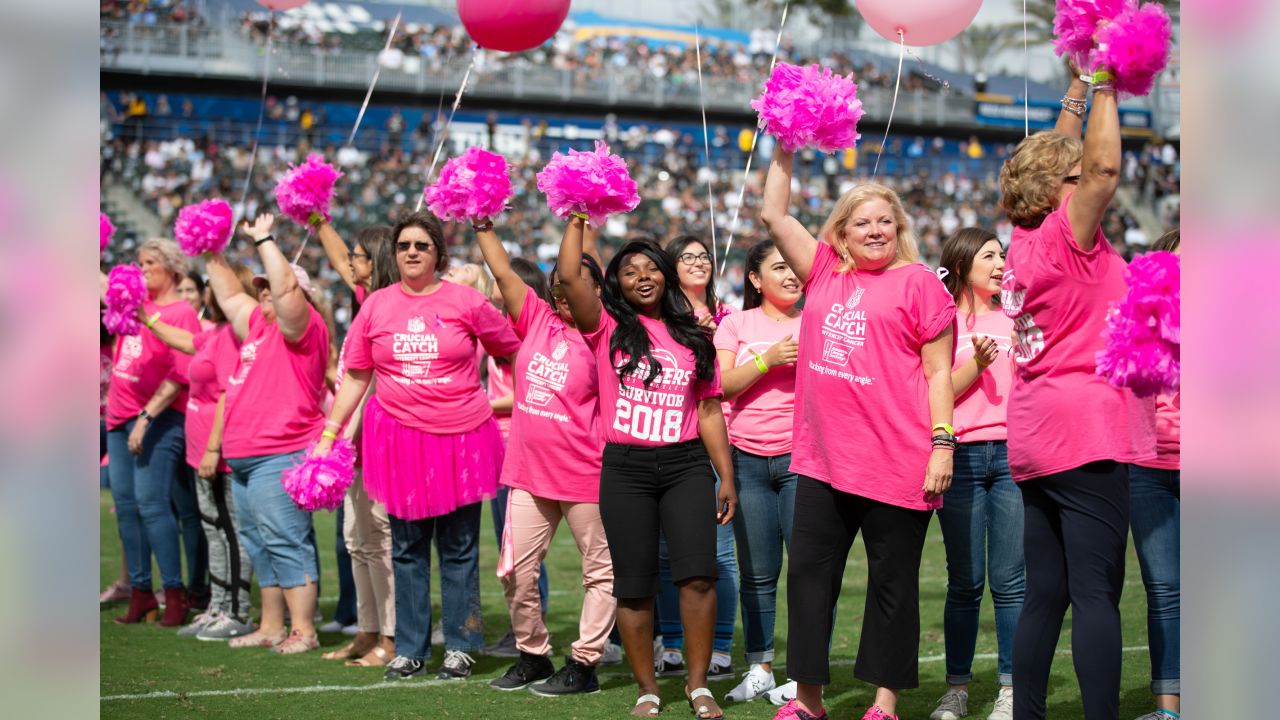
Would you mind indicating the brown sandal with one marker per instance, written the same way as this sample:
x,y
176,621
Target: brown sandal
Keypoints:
x,y
377,657
346,652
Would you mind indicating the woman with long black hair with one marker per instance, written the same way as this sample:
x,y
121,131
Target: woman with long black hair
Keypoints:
x,y
663,430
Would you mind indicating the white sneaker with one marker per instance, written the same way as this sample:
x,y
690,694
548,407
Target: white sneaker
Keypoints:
x,y
333,626
1004,706
437,634
952,706
1159,715
755,682
199,622
782,694
612,654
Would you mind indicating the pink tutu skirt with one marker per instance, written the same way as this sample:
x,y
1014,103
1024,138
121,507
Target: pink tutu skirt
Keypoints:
x,y
420,475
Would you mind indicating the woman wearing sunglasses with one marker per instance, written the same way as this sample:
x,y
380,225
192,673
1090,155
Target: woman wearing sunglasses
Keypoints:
x,y
1072,436
431,449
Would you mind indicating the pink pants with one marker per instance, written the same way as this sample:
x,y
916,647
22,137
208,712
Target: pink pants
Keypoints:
x,y
534,521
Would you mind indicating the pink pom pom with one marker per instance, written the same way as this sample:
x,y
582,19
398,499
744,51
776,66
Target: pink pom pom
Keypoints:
x,y
1144,330
471,186
1135,46
810,107
126,292
595,183
106,229
203,227
1075,23
304,193
319,482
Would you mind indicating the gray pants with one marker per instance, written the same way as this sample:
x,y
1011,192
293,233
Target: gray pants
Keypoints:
x,y
230,571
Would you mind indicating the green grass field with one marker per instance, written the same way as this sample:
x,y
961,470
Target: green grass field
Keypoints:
x,y
149,672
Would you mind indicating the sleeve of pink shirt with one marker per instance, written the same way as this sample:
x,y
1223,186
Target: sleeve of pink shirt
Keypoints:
x,y
935,310
1059,248
182,317
492,330
530,311
727,334
705,389
824,262
358,348
602,333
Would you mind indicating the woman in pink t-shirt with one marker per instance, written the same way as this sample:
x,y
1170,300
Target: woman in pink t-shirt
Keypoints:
x,y
982,518
757,353
1155,489
271,410
552,471
215,353
146,403
872,439
431,450
1072,436
663,430
354,266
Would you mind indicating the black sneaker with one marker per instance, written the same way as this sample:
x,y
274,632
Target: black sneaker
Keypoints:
x,y
720,672
403,668
456,666
528,669
572,679
669,664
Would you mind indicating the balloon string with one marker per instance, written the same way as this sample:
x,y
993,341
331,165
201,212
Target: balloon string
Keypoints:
x,y
902,51
444,131
946,85
706,146
262,109
746,171
1026,74
377,70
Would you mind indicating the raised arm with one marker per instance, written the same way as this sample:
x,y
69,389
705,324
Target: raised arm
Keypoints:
x,y
589,245
1099,170
236,304
583,302
292,310
1069,122
794,242
338,254
510,285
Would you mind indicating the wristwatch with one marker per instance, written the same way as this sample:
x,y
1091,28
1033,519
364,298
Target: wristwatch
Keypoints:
x,y
144,415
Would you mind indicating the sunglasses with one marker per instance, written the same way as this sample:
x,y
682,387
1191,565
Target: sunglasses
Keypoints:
x,y
403,246
690,258
558,292
1071,179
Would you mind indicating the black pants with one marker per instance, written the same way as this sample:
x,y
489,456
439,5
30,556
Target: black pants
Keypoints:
x,y
827,521
1075,533
642,488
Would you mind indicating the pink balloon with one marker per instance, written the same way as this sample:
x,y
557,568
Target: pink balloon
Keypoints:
x,y
512,25
282,4
922,22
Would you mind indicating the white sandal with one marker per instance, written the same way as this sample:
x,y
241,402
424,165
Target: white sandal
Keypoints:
x,y
704,713
657,703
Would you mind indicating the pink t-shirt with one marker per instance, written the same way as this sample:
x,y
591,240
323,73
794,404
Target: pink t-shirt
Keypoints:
x,y
143,361
423,351
216,357
862,408
665,412
500,385
760,418
273,399
556,440
1168,433
981,413
1061,413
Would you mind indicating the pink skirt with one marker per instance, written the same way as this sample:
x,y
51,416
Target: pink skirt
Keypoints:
x,y
420,475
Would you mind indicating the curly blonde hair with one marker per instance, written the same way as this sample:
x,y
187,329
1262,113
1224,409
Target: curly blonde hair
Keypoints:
x,y
833,228
169,254
1032,176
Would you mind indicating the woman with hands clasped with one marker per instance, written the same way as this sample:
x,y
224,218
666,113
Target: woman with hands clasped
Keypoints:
x,y
757,350
215,354
660,393
982,518
270,413
552,471
872,442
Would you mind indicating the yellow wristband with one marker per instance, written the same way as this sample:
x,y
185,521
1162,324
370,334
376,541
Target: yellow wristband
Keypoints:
x,y
329,434
151,321
760,364
945,427
1102,76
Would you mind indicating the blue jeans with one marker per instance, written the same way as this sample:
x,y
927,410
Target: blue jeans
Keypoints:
x,y
194,544
276,534
981,519
142,489
457,537
766,506
1155,518
669,624
498,506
